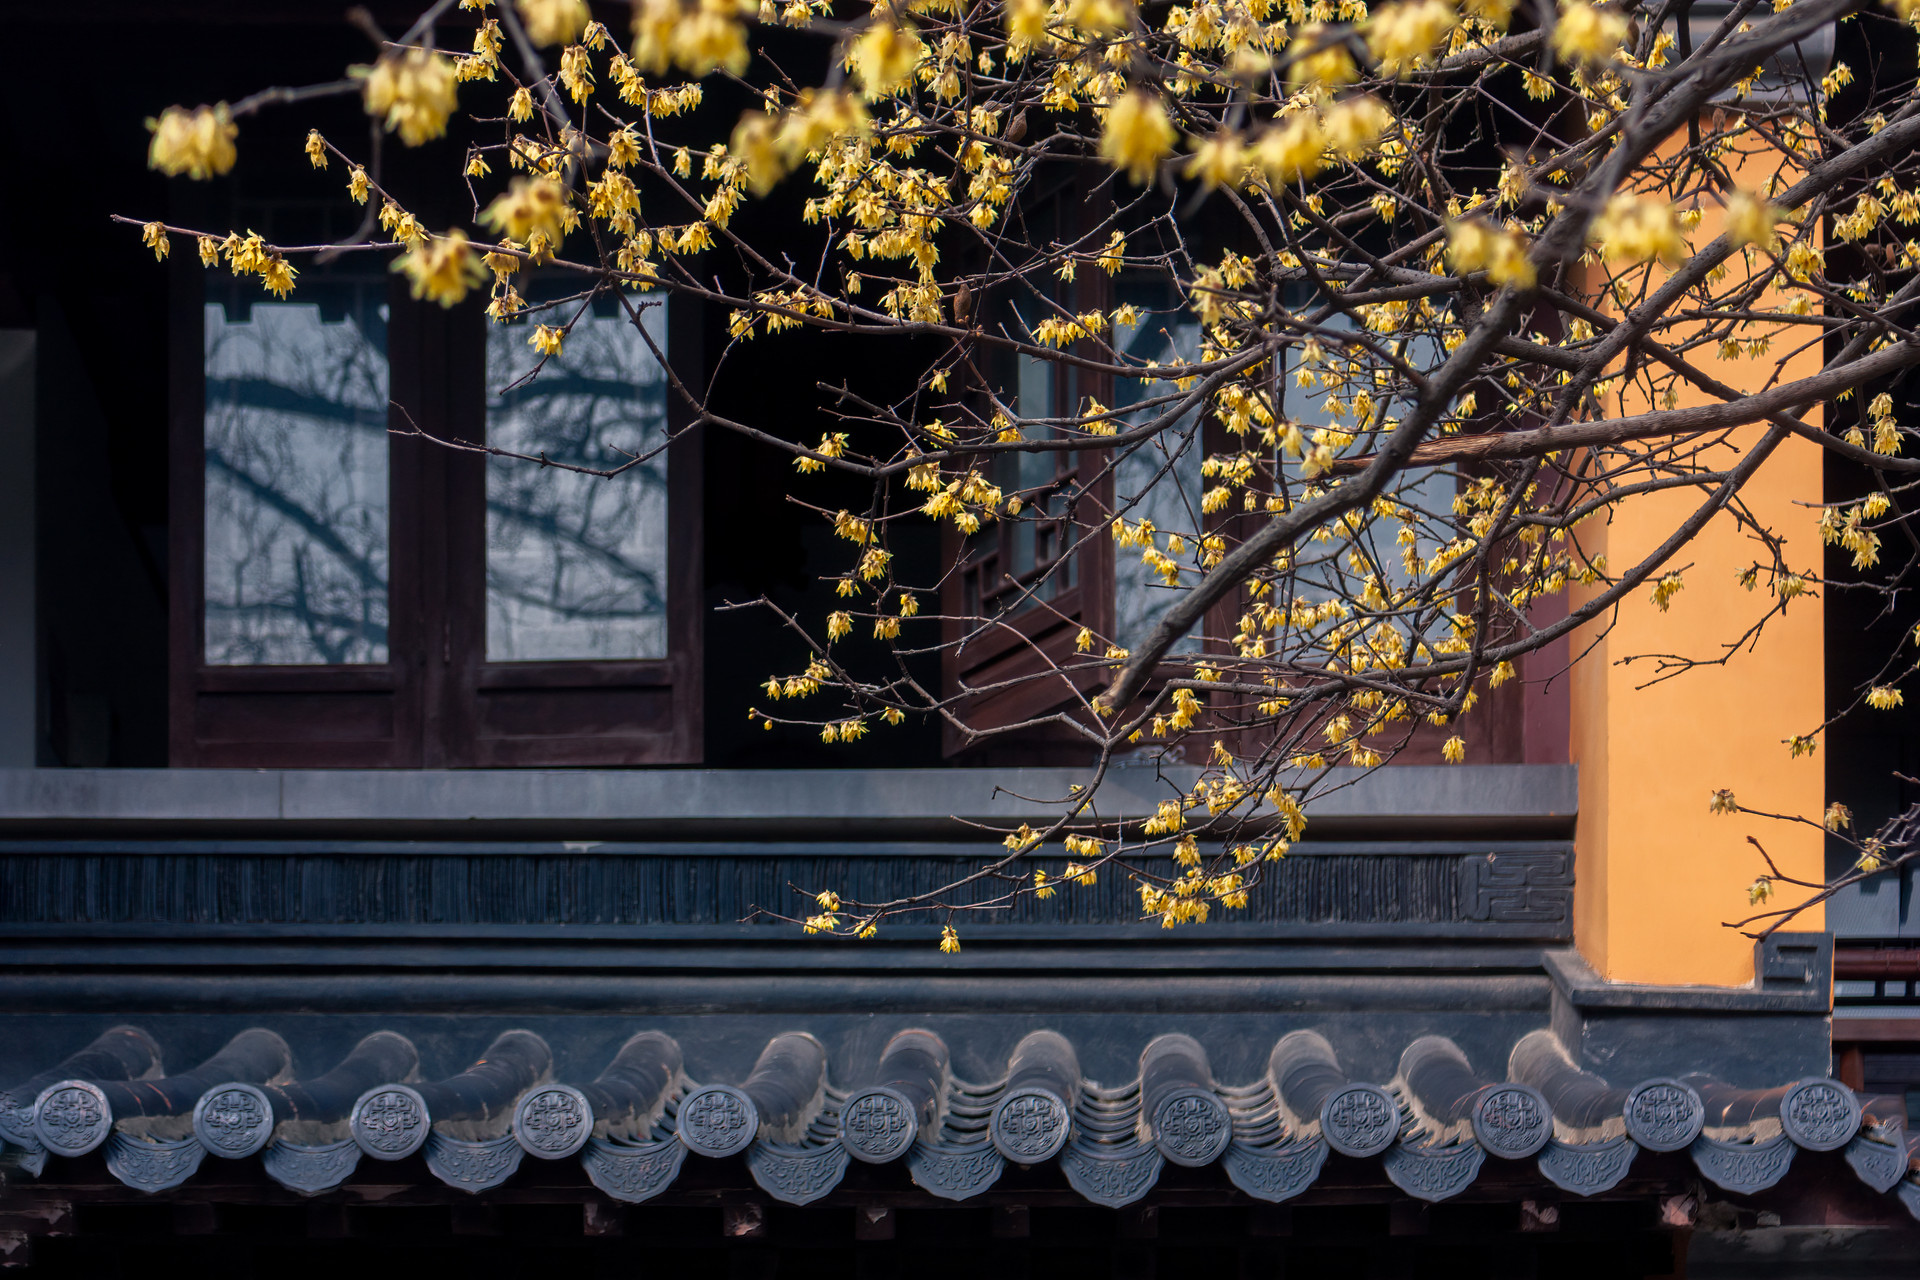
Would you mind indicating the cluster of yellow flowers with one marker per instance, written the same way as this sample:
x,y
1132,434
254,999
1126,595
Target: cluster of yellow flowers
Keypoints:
x,y
412,92
198,142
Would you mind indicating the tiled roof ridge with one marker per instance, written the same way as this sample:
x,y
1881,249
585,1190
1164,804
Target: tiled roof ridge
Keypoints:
x,y
1433,1126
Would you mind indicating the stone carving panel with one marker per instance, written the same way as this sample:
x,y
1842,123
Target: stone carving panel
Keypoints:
x,y
1517,888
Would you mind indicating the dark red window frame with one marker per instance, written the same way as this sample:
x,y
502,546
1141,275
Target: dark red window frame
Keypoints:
x,y
436,702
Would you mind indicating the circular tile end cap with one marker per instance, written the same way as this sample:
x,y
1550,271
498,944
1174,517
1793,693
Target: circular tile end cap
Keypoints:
x,y
878,1125
1664,1114
1820,1114
390,1122
72,1118
1191,1127
1030,1125
718,1121
553,1121
1512,1121
233,1120
1360,1120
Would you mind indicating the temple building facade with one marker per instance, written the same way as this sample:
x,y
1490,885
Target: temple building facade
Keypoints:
x,y
387,864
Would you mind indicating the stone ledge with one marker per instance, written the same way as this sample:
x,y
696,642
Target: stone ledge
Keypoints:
x,y
1531,800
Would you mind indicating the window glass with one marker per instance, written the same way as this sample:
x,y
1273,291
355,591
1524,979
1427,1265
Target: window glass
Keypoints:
x,y
1423,494
577,564
1159,480
295,437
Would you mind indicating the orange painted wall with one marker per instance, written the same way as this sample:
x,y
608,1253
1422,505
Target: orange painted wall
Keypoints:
x,y
1657,874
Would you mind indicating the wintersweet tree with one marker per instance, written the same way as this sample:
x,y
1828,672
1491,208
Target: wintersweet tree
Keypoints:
x,y
1326,328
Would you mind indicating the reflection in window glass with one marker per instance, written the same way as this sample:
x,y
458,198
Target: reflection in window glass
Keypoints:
x,y
577,564
295,434
1426,492
1159,481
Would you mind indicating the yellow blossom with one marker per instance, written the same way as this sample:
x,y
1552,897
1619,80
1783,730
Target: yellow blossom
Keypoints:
x,y
884,57
1636,229
1472,245
1137,135
358,185
1721,801
546,339
198,143
1218,159
1026,20
1495,13
1320,58
1751,219
1585,34
576,72
1355,126
949,940
1402,36
277,275
412,93
154,236
623,148
316,149
551,22
529,206
1884,697
443,269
